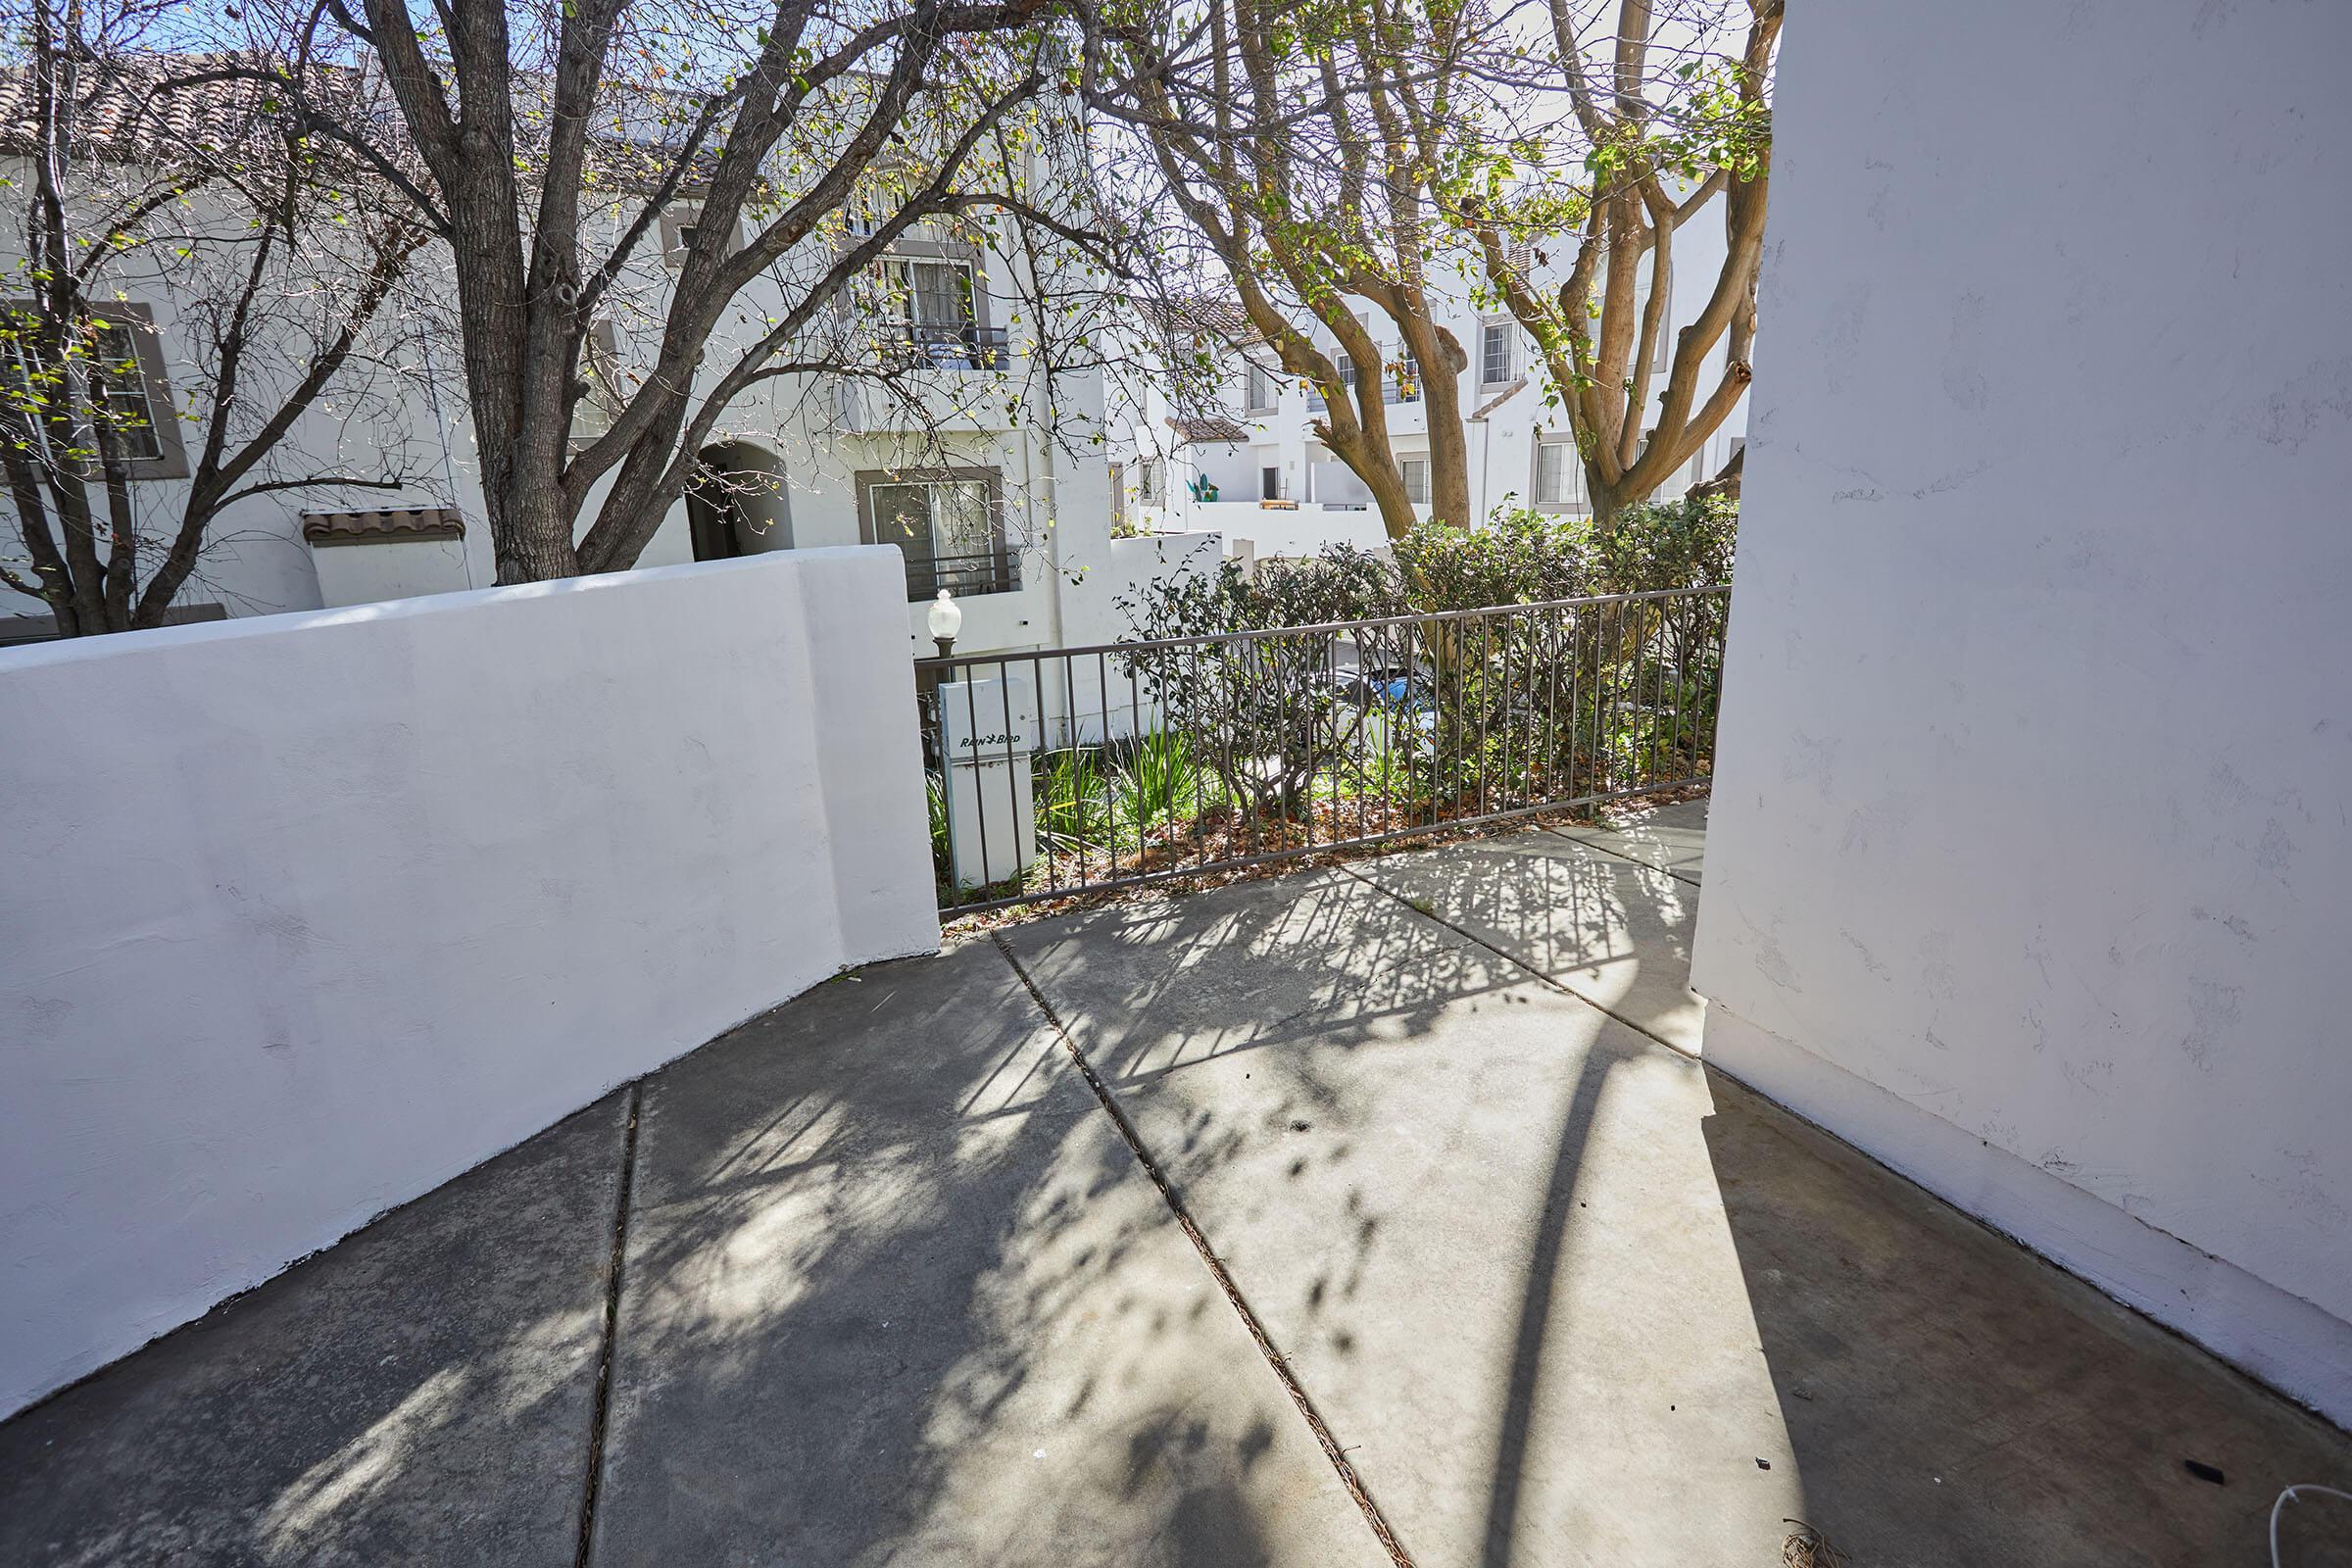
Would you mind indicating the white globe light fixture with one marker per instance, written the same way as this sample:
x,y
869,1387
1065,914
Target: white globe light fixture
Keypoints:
x,y
946,620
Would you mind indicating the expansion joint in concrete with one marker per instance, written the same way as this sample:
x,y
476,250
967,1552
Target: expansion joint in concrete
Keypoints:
x,y
612,1325
1330,1445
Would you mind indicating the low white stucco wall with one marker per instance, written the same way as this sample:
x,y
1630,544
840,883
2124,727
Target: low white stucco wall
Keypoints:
x,y
1299,531
2030,868
310,914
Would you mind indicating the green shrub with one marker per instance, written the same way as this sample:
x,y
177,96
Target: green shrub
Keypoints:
x,y
1668,544
1518,557
1525,708
1159,783
1072,797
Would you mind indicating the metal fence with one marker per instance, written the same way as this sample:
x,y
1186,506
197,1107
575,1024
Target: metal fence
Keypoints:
x,y
961,344
1068,771
991,571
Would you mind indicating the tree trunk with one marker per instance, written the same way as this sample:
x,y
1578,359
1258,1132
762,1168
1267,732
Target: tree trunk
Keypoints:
x,y
1442,363
1725,483
533,539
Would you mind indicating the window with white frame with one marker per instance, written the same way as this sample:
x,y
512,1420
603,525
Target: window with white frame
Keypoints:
x,y
1415,473
935,303
1559,475
945,523
1149,478
1346,369
123,356
1263,390
1494,353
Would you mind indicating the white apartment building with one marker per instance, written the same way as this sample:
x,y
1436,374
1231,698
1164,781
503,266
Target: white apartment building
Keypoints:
x,y
958,460
1251,470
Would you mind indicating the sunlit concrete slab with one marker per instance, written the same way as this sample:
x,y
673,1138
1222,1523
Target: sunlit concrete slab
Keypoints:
x,y
1666,838
894,1289
897,1292
419,1393
1613,930
1568,1296
1415,1126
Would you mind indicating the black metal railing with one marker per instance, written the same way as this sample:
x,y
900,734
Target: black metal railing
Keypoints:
x,y
963,345
991,571
1070,770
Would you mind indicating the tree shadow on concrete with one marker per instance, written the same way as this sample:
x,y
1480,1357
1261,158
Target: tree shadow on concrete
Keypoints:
x,y
1377,1122
893,1291
1616,933
932,1315
1951,1397
1321,960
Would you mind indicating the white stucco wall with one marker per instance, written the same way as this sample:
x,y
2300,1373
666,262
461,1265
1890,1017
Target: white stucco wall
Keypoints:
x,y
391,569
1304,530
2029,867
311,914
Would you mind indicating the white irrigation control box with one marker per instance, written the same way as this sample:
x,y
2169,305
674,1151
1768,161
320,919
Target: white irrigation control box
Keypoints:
x,y
987,720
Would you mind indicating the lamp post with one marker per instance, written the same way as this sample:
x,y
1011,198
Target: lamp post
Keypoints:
x,y
945,620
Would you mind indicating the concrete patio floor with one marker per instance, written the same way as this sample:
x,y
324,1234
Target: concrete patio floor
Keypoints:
x,y
890,1285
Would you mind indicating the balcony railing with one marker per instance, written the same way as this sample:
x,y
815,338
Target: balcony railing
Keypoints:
x,y
963,346
991,571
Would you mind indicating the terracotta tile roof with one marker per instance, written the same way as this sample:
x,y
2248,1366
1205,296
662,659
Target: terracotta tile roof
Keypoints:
x,y
147,106
1200,314
391,526
639,165
170,108
1208,427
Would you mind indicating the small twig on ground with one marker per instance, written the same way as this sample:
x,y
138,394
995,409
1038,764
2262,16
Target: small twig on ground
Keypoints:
x,y
1808,1547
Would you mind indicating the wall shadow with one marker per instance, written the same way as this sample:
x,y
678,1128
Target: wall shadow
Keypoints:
x,y
1951,1397
420,1392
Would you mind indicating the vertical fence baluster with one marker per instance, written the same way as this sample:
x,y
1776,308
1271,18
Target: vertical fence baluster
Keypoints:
x,y
1199,760
1551,710
1485,682
1682,687
1103,764
1502,770
947,775
1604,720
1044,849
971,719
1013,784
1365,695
1134,735
1657,698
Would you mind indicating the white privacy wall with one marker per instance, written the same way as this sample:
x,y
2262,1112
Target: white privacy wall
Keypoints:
x,y
305,914
2030,867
